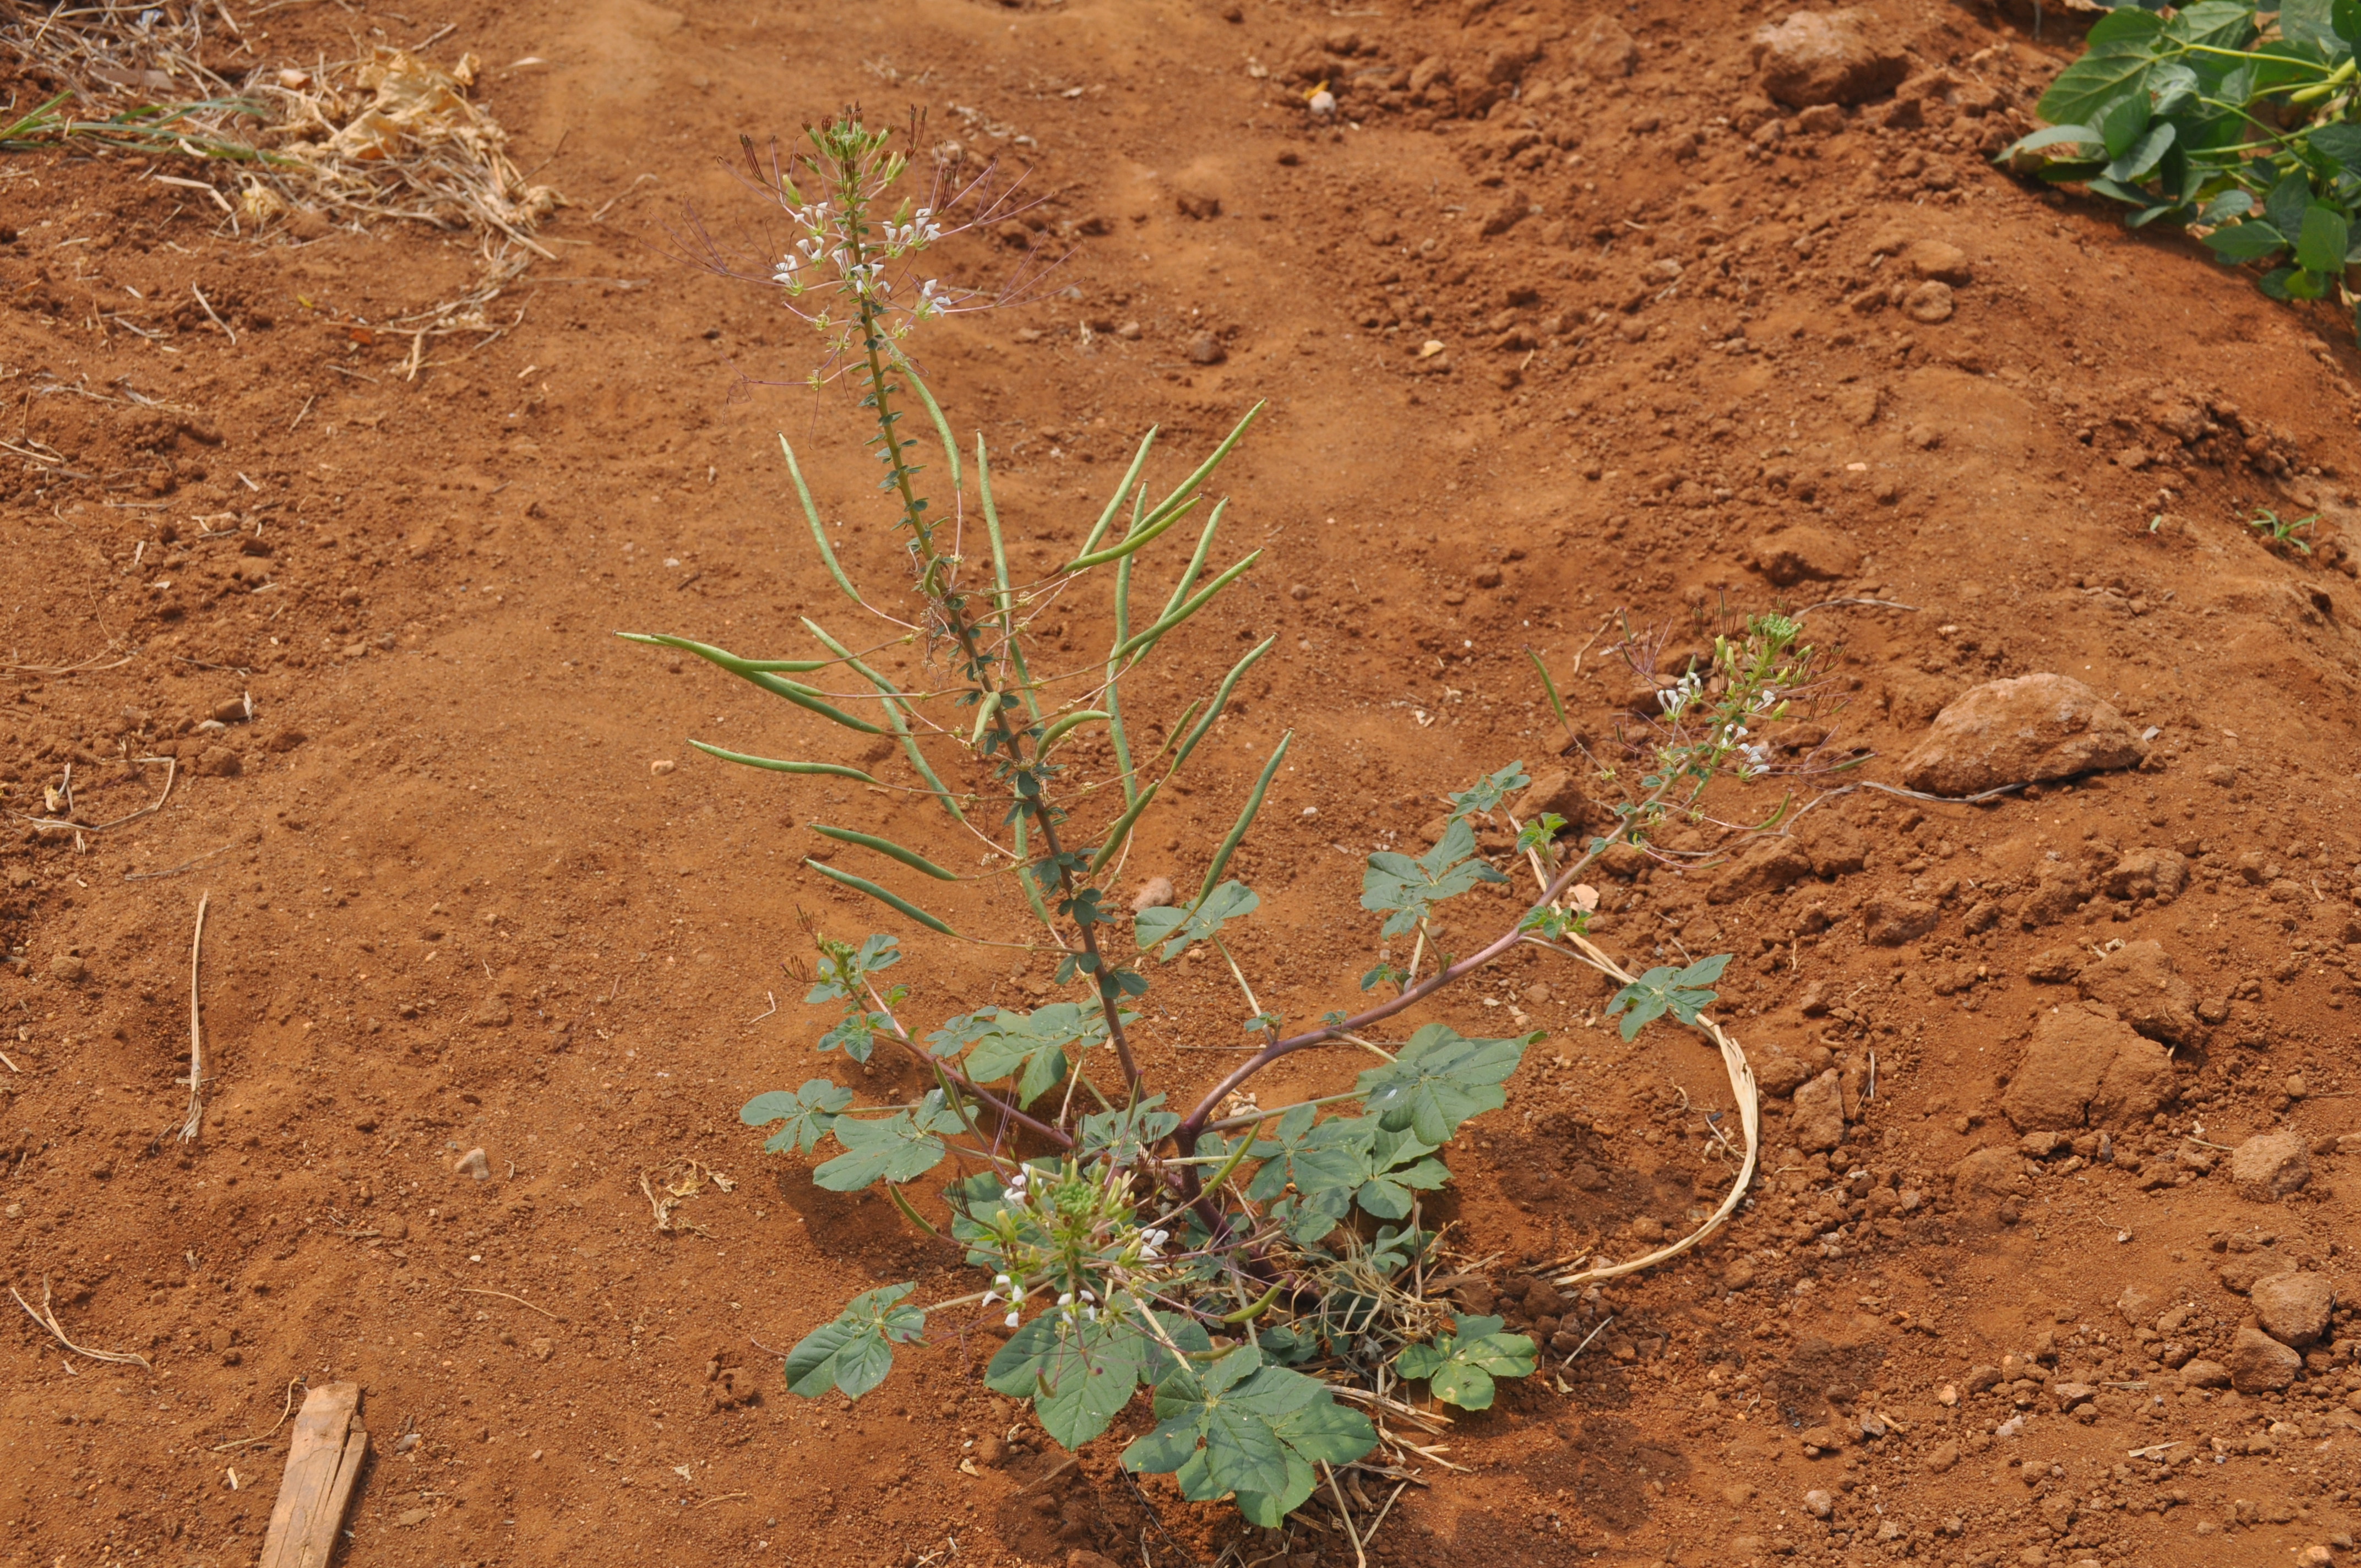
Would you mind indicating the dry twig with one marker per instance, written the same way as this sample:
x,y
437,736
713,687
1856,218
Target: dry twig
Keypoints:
x,y
479,1290
48,1318
196,1028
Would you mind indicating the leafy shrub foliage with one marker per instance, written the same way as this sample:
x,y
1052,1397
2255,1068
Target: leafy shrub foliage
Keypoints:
x,y
1256,1268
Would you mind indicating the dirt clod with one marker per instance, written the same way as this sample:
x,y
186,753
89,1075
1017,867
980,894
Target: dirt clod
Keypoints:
x,y
2258,1363
2270,1166
2027,728
2086,1066
2293,1308
1831,56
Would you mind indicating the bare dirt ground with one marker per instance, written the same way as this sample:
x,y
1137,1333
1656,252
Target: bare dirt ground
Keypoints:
x,y
1687,362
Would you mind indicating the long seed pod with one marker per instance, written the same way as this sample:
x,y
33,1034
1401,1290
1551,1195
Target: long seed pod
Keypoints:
x,y
1221,699
886,847
1116,734
1131,475
892,702
892,901
729,661
1142,641
818,531
1245,818
801,696
1167,510
1058,731
1196,562
1145,534
942,425
1120,828
834,770
1004,601
1557,702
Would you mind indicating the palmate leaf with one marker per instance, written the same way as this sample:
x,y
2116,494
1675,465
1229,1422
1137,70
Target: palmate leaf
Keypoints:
x,y
1682,992
1459,1368
1121,1135
810,1112
896,1148
1440,1080
1080,1374
1408,888
1242,1427
1178,926
856,1351
841,968
1029,1046
1490,791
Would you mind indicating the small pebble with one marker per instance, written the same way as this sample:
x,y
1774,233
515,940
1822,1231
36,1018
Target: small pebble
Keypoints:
x,y
661,767
2296,1087
1322,104
1155,893
66,968
1819,1504
473,1163
1206,349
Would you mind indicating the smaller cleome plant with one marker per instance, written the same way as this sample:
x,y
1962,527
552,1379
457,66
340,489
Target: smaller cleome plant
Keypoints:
x,y
1260,1270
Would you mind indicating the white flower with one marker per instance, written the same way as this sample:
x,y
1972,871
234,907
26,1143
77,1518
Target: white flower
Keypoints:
x,y
989,1296
1001,1280
1010,1320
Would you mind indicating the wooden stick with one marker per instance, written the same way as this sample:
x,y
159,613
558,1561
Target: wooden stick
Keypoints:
x,y
196,1029
323,1463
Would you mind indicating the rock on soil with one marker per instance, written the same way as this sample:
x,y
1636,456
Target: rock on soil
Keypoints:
x,y
2270,1166
1795,554
1766,865
1603,49
2258,1363
1891,921
1818,1121
2028,729
1556,789
2293,1308
1155,893
2086,1067
1830,57
2138,981
2160,874
1990,1170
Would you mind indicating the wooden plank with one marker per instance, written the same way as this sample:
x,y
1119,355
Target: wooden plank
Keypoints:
x,y
323,1463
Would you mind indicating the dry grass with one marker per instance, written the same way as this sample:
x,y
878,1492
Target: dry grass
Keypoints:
x,y
385,136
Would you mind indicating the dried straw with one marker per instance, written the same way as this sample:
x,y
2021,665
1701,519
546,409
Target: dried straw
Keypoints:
x,y
386,136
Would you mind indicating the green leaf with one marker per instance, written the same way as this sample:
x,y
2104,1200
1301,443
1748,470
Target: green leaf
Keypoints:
x,y
1408,888
1177,926
893,1148
2229,204
2287,201
2344,16
2125,123
2279,284
2138,161
2327,235
1240,1426
1123,1134
2215,23
1031,1044
2249,241
2342,143
2018,154
1682,993
1488,794
2312,23
856,1351
1078,1375
809,1113
1440,1080
1321,1159
1459,1368
2114,66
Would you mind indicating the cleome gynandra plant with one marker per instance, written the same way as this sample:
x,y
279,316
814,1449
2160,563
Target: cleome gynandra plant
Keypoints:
x,y
2237,120
1261,1269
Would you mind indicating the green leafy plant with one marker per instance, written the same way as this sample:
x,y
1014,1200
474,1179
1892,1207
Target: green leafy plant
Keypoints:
x,y
2281,532
1459,1367
1258,1269
2239,122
